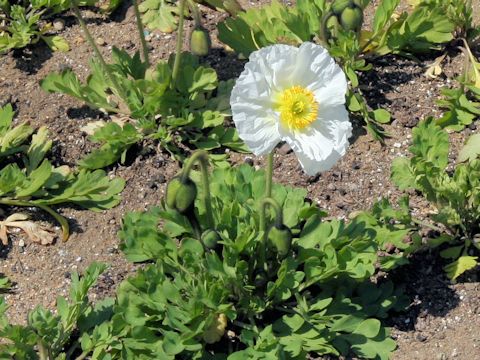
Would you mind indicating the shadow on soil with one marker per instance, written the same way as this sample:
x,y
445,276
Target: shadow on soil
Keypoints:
x,y
30,59
388,72
226,64
85,112
427,287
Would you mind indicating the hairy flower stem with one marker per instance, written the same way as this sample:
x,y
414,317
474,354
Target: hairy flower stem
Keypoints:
x,y
263,216
269,175
423,223
178,49
267,199
141,30
60,219
195,13
42,351
201,157
97,52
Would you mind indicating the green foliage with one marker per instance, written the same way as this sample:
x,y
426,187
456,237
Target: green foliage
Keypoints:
x,y
426,28
317,300
271,24
23,22
163,14
461,110
459,12
160,14
51,334
27,178
4,283
455,195
191,111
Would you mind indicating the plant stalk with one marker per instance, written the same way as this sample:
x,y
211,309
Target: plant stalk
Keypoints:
x,y
141,30
195,13
42,351
430,226
60,219
276,208
82,356
178,49
263,216
116,85
269,175
201,157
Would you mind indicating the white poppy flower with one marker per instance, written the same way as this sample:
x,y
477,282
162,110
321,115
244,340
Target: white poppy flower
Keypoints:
x,y
295,95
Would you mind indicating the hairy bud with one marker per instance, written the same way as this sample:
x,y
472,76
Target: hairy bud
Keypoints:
x,y
200,42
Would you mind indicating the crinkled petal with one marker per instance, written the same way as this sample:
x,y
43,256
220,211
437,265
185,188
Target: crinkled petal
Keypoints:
x,y
320,146
272,70
256,126
317,71
276,64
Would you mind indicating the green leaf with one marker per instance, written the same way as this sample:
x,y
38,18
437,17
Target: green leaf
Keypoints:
x,y
430,143
382,116
6,117
159,14
461,265
452,252
56,43
471,150
37,178
402,174
369,328
39,146
383,14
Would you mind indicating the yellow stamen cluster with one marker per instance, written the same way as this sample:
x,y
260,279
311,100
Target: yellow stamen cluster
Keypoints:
x,y
297,107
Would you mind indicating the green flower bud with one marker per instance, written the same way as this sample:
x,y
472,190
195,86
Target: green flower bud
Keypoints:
x,y
215,331
330,25
210,239
200,42
339,5
172,189
181,194
280,239
186,195
352,18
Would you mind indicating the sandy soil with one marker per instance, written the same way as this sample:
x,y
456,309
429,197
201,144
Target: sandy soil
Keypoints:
x,y
443,321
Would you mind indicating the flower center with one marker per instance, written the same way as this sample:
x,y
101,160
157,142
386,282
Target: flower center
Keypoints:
x,y
297,107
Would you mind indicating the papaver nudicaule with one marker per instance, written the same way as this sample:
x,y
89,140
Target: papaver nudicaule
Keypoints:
x,y
295,95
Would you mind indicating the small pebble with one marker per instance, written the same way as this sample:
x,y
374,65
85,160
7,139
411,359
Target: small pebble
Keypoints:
x,y
101,41
58,24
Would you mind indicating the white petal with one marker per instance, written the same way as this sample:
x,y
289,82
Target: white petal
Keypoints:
x,y
255,125
320,146
333,123
313,166
276,64
269,72
317,71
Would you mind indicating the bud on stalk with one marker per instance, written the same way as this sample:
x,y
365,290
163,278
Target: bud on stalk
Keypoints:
x,y
200,41
280,239
343,14
216,329
181,194
210,239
